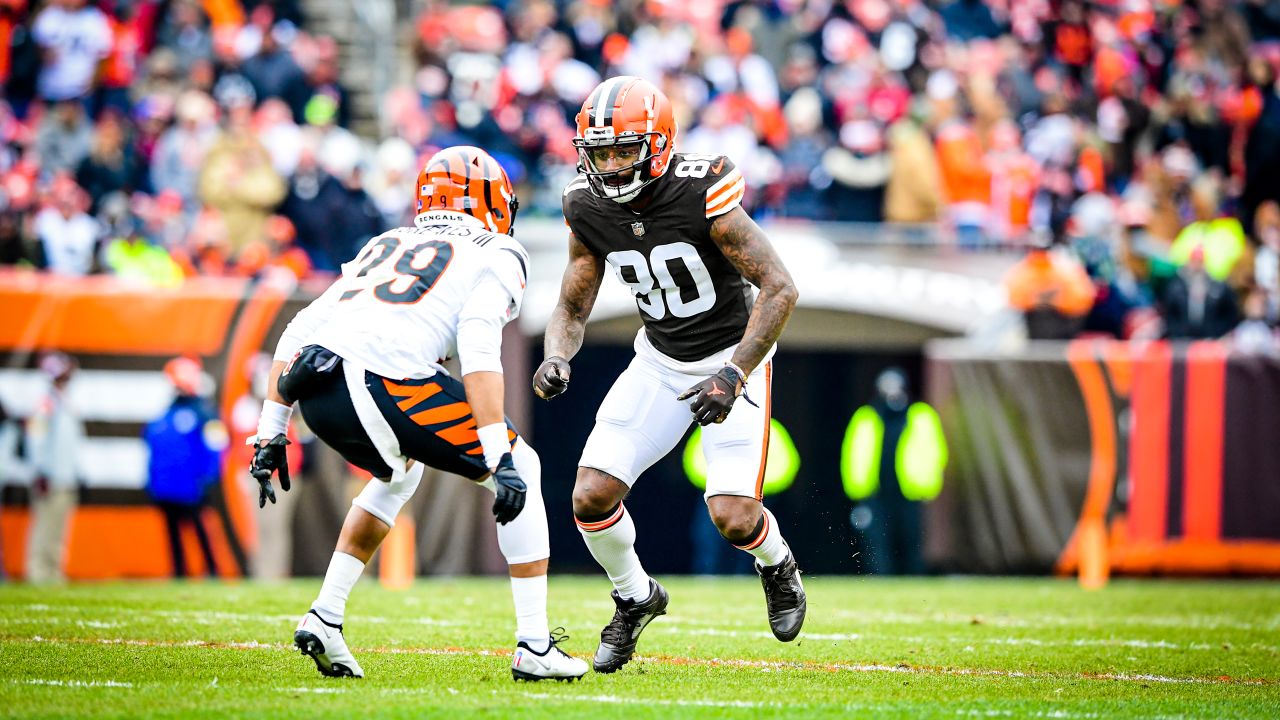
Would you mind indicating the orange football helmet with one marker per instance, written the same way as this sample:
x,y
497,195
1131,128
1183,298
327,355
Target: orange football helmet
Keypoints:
x,y
467,180
629,120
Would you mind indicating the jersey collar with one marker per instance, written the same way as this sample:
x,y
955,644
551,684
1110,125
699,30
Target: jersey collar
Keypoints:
x,y
447,217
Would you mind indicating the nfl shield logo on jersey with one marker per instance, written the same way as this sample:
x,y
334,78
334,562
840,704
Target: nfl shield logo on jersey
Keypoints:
x,y
638,229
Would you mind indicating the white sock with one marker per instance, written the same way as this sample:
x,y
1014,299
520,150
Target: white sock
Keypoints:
x,y
768,547
331,604
612,543
530,596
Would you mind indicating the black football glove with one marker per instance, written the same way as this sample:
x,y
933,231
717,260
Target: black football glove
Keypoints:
x,y
268,457
713,398
510,489
552,377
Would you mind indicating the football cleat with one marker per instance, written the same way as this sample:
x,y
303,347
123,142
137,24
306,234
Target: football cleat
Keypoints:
x,y
618,639
784,596
325,644
550,664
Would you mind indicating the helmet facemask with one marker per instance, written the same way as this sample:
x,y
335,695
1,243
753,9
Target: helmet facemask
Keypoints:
x,y
631,152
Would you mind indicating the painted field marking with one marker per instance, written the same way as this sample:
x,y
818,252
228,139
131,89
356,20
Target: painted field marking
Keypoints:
x,y
74,683
764,665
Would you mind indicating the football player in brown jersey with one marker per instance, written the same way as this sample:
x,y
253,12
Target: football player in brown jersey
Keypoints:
x,y
672,228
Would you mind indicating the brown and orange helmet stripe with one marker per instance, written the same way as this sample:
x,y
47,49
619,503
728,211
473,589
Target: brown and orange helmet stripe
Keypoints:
x,y
468,180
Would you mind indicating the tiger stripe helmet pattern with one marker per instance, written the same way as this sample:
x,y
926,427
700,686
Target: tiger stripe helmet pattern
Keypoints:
x,y
622,110
466,179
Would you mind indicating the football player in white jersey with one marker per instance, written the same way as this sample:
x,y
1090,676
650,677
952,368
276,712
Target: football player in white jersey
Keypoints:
x,y
363,363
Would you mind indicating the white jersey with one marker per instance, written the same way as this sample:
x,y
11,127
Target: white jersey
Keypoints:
x,y
415,296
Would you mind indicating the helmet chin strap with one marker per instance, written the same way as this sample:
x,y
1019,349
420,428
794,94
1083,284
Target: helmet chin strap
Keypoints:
x,y
631,195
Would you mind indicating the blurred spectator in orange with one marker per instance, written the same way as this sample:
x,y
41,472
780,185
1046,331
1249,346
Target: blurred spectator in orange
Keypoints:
x,y
966,180
184,448
224,13
1052,290
1015,180
207,249
1196,305
64,137
238,178
55,438
67,234
129,28
74,37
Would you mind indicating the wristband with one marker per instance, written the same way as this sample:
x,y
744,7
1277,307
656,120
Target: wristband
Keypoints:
x,y
274,419
494,440
741,374
742,377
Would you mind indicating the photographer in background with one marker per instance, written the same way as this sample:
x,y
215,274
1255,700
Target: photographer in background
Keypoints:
x,y
55,436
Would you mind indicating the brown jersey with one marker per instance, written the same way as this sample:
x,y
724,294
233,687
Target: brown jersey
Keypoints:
x,y
693,301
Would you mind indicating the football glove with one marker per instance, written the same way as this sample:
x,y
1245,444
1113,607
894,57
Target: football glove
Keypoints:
x,y
268,457
510,491
713,398
552,377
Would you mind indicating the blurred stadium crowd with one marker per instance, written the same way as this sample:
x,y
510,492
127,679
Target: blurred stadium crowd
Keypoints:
x,y
1130,144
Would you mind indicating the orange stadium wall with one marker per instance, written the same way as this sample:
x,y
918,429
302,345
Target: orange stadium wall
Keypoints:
x,y
124,332
1172,451
114,326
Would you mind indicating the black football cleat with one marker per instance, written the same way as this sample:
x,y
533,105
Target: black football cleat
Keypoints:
x,y
618,639
784,596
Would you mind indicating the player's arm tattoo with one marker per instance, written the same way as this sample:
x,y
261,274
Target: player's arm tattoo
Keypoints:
x,y
747,247
578,291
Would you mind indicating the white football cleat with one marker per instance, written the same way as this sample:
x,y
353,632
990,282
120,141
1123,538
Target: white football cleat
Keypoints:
x,y
552,664
325,644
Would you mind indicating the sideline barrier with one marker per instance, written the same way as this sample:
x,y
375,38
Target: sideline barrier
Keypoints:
x,y
122,334
1169,452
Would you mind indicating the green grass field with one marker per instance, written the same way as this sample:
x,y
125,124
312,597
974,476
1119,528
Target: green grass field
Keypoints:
x,y
872,648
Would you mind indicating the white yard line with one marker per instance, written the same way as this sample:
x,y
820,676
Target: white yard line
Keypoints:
x,y
1196,622
74,683
684,631
619,699
763,665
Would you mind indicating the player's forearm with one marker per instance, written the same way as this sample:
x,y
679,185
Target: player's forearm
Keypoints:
x,y
485,396
276,411
273,379
564,335
769,317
